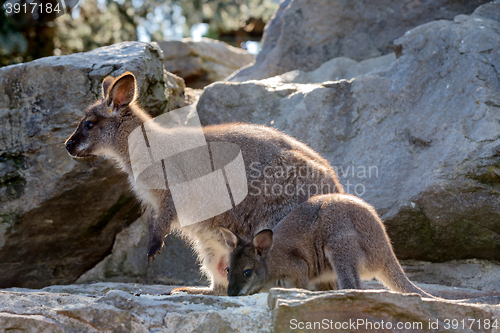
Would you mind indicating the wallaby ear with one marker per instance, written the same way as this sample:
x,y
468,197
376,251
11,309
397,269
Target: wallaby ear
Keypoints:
x,y
230,237
263,241
106,84
122,91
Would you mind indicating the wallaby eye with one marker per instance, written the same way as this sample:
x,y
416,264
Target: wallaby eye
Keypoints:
x,y
227,270
247,273
88,125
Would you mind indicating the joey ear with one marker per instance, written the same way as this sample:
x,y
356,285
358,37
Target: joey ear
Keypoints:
x,y
231,238
263,241
105,86
122,91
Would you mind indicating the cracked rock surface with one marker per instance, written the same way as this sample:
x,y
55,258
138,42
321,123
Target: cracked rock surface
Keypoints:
x,y
365,311
113,307
120,307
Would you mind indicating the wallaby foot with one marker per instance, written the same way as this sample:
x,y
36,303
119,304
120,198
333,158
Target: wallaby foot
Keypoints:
x,y
348,277
326,285
217,290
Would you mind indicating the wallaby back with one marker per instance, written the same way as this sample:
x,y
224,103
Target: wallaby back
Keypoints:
x,y
329,240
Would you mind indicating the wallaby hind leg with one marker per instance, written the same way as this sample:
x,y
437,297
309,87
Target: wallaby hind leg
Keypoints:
x,y
299,271
346,268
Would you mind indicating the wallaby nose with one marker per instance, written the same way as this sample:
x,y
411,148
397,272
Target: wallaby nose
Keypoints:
x,y
232,290
69,145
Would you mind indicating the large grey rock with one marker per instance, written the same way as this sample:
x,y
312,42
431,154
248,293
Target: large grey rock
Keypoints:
x,y
419,140
118,307
303,34
58,217
339,68
200,63
368,311
109,307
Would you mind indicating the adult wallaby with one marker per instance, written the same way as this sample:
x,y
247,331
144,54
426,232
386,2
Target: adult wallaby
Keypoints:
x,y
329,240
281,173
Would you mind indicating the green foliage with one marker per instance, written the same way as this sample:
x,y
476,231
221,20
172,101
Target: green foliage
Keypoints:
x,y
95,26
96,23
12,42
23,39
224,15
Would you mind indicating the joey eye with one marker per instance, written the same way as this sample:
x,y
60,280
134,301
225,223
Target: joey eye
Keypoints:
x,y
247,273
88,125
227,270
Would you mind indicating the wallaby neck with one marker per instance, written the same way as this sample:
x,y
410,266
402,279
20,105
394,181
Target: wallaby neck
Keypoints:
x,y
134,119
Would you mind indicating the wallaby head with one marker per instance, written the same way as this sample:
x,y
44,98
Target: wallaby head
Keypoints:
x,y
104,128
247,271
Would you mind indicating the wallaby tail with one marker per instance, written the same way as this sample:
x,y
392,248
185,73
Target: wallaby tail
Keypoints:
x,y
393,277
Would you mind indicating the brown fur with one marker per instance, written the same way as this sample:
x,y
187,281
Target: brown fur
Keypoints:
x,y
117,114
329,240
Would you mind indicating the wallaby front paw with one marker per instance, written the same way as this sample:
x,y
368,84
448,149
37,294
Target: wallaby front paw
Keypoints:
x,y
200,291
154,248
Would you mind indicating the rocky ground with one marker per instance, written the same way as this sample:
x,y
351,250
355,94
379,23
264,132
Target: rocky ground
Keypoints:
x,y
134,307
403,99
113,307
129,307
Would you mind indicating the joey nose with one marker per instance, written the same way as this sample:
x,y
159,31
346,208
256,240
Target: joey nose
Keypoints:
x,y
69,145
232,290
